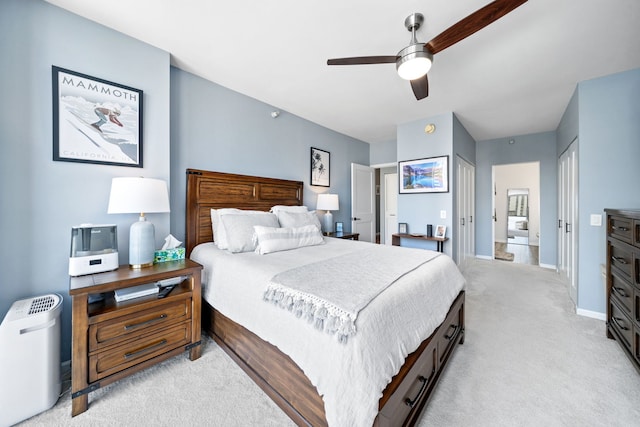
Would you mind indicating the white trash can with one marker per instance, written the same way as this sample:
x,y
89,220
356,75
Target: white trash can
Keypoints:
x,y
29,358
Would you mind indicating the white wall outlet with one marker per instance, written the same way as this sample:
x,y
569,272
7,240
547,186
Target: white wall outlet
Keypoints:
x,y
596,220
443,214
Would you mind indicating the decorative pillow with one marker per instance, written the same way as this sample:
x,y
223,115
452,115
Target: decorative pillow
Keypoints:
x,y
239,229
219,234
293,219
283,208
273,239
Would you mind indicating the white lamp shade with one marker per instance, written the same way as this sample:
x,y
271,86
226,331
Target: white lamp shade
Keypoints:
x,y
327,202
138,195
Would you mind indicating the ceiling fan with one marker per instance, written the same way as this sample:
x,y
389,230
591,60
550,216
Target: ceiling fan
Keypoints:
x,y
414,61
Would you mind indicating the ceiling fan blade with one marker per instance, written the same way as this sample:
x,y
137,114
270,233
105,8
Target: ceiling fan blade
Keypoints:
x,y
363,60
420,87
472,23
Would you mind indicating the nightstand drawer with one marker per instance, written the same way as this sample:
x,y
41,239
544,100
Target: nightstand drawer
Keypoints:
x,y
143,348
123,328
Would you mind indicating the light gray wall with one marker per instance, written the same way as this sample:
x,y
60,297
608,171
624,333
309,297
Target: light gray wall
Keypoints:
x,y
215,128
608,153
383,153
539,147
421,209
43,199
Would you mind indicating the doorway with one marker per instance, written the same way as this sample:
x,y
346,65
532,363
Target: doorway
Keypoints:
x,y
516,212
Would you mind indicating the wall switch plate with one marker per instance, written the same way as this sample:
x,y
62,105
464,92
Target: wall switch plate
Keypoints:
x,y
596,220
443,214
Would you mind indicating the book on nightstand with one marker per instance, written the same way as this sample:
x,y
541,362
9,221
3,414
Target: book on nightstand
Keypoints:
x,y
135,292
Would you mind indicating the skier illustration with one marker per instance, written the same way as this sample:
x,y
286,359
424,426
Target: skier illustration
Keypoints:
x,y
106,114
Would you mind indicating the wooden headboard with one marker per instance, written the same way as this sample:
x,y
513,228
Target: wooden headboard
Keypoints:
x,y
214,190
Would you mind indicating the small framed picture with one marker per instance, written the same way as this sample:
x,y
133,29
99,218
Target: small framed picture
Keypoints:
x,y
403,228
441,231
339,227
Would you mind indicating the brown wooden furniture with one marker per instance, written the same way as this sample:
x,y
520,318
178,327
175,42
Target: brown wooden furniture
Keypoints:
x,y
278,376
342,235
395,239
623,281
111,340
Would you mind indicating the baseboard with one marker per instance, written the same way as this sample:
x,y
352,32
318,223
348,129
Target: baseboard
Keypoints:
x,y
592,314
484,257
549,266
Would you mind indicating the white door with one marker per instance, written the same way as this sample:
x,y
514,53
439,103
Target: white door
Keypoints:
x,y
465,207
363,202
390,206
568,219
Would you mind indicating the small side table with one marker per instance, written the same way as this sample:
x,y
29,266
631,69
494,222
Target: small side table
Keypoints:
x,y
343,235
395,239
112,340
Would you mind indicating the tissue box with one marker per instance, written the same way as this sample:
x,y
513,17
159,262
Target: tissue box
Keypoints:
x,y
168,255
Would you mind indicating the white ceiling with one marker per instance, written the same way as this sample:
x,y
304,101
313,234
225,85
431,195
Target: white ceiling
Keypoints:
x,y
514,77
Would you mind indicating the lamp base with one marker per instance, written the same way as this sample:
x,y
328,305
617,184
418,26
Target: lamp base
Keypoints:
x,y
327,222
142,242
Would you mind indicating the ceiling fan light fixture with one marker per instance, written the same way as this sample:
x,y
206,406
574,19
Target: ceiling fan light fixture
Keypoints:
x,y
414,62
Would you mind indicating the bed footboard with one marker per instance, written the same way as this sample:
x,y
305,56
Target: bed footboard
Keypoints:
x,y
284,382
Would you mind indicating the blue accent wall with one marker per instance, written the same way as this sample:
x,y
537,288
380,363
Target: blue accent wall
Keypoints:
x,y
215,128
420,209
608,159
43,199
539,147
383,153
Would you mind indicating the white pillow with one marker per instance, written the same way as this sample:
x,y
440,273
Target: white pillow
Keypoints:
x,y
239,229
293,219
219,234
272,239
283,208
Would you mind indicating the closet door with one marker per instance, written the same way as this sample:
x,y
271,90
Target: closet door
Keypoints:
x,y
465,202
568,218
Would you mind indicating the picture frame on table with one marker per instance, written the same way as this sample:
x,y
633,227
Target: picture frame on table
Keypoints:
x,y
320,167
428,175
403,228
441,231
95,120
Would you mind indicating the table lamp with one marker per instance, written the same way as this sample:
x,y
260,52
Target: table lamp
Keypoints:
x,y
139,195
327,202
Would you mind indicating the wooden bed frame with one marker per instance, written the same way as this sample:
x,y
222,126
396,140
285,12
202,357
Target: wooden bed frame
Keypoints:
x,y
279,377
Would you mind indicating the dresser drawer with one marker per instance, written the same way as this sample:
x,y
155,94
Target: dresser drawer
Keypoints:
x,y
622,325
622,291
110,332
622,259
621,228
108,362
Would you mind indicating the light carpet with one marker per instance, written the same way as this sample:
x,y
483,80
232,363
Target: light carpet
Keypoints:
x,y
527,360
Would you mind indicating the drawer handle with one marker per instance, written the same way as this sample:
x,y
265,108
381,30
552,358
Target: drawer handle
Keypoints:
x,y
620,291
617,322
146,322
619,228
455,331
619,259
145,350
411,402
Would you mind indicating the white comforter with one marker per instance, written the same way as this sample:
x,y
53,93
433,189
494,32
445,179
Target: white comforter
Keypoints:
x,y
351,377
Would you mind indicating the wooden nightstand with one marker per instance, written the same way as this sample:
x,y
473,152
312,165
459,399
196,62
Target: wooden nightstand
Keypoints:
x,y
112,340
343,235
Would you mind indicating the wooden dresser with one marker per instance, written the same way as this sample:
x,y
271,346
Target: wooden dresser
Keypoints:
x,y
623,280
111,340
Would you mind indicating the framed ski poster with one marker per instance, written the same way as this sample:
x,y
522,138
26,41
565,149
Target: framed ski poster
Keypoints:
x,y
95,121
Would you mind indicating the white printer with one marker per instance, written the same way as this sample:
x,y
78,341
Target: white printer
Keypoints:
x,y
94,249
